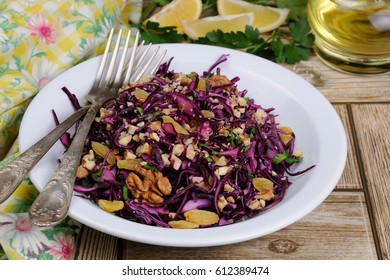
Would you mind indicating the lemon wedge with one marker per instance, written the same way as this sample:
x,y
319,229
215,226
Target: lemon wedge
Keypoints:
x,y
265,18
200,27
176,11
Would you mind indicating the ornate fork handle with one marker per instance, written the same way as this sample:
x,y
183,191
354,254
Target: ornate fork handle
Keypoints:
x,y
52,204
14,172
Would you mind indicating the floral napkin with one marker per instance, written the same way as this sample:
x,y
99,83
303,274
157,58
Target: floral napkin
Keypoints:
x,y
39,39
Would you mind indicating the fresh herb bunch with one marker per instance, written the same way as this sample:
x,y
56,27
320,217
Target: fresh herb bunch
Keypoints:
x,y
283,45
207,4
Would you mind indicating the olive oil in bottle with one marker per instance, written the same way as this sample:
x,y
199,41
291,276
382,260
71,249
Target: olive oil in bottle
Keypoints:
x,y
352,35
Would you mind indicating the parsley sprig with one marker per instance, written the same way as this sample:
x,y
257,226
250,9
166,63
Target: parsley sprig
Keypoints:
x,y
285,156
151,32
278,47
281,45
211,4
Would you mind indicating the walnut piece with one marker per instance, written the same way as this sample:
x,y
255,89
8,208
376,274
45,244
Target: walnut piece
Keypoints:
x,y
182,78
219,80
148,186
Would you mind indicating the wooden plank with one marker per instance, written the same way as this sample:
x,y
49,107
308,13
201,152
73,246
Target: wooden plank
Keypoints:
x,y
95,245
338,229
350,178
371,122
343,88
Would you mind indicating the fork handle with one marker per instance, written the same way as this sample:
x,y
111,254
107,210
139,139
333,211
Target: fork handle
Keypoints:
x,y
14,172
52,204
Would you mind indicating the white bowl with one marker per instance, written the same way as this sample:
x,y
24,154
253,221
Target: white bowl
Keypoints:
x,y
319,134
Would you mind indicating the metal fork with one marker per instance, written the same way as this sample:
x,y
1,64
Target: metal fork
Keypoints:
x,y
12,174
52,204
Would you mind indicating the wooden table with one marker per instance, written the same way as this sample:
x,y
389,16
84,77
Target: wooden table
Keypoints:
x,y
352,223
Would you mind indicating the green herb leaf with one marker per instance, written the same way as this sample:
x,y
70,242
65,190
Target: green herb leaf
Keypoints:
x,y
248,40
294,54
208,159
210,5
162,2
151,116
245,148
207,147
275,49
280,157
293,159
278,48
285,157
151,32
252,132
235,140
250,175
98,174
140,112
258,2
150,167
86,183
125,192
192,77
298,8
300,32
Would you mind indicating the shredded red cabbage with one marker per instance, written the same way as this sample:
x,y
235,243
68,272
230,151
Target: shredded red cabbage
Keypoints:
x,y
227,142
66,138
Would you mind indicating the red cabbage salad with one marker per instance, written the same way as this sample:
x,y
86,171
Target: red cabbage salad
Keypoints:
x,y
186,151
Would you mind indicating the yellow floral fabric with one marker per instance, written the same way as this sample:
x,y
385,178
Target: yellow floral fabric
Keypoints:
x,y
39,39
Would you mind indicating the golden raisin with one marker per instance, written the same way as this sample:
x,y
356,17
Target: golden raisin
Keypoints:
x,y
111,206
201,217
182,224
102,151
263,184
178,128
286,135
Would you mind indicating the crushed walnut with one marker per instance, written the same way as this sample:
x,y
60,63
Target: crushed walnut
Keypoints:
x,y
148,186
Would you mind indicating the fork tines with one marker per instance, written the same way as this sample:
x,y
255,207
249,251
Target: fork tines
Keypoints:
x,y
140,62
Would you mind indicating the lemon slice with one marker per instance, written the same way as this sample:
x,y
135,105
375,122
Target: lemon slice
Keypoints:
x,y
266,18
200,27
176,11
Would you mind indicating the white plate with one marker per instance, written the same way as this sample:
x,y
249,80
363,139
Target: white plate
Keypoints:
x,y
319,134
